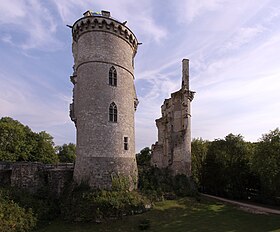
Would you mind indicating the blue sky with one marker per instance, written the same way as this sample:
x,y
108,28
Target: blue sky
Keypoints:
x,y
233,47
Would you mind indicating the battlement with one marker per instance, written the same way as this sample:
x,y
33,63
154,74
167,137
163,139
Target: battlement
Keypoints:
x,y
103,22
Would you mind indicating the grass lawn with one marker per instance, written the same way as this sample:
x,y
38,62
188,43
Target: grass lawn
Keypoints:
x,y
181,215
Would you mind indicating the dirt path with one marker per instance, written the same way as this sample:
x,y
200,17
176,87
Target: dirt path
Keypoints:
x,y
246,207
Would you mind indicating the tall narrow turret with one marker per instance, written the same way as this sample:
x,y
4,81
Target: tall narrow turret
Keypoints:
x,y
185,74
104,100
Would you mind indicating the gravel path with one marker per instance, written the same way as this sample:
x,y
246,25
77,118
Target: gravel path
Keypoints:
x,y
246,207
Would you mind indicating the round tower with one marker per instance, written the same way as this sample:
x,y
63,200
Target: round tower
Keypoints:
x,y
104,101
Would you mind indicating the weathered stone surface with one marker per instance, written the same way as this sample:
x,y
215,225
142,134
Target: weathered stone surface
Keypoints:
x,y
98,172
173,148
33,177
99,43
27,176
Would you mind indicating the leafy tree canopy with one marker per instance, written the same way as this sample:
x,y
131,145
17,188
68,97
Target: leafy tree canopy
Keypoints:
x,y
19,143
144,157
66,153
266,162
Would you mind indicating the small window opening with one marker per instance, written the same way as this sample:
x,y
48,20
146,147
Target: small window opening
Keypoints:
x,y
125,143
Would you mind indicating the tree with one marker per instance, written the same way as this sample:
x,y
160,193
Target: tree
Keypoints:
x,y
66,153
199,152
20,143
44,150
226,170
14,140
144,157
212,180
266,163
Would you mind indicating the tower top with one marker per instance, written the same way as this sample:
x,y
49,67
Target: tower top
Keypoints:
x,y
103,13
102,21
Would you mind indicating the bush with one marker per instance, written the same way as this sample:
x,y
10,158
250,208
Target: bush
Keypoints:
x,y
13,217
96,205
184,186
158,184
43,207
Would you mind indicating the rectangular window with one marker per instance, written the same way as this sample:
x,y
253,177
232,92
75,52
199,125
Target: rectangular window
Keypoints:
x,y
125,143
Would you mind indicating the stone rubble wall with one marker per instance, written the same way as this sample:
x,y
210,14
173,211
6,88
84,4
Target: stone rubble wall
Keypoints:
x,y
35,176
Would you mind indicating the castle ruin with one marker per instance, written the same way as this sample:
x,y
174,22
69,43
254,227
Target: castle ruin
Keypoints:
x,y
104,100
173,148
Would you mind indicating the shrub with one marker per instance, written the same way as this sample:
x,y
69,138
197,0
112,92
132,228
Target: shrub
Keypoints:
x,y
184,186
13,217
160,183
43,207
96,205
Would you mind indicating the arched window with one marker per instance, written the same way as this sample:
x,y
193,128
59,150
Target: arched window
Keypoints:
x,y
113,76
113,112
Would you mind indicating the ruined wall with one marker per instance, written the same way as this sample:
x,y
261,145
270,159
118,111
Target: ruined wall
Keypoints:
x,y
173,148
34,176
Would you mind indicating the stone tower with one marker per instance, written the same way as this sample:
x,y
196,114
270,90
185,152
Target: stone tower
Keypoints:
x,y
104,100
173,149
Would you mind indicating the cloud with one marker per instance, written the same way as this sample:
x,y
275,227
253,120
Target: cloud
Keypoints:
x,y
189,10
30,98
138,14
6,38
239,94
243,36
29,25
11,11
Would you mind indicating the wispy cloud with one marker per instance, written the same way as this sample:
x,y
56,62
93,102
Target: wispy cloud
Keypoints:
x,y
140,20
33,25
243,36
20,100
6,38
189,10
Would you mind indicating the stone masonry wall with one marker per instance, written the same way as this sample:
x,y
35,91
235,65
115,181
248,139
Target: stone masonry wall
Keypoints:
x,y
35,176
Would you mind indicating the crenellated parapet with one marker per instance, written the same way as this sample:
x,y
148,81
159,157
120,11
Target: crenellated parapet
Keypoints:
x,y
93,22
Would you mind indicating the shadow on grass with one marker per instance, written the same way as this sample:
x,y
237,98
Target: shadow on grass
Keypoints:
x,y
181,216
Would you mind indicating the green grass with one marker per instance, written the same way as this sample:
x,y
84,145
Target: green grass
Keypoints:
x,y
182,215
